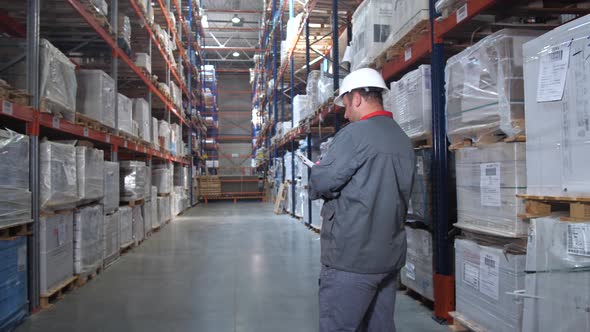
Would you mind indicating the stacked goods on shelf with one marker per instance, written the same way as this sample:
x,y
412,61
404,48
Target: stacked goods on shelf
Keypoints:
x,y
125,226
101,6
372,25
143,61
420,205
488,179
90,174
137,225
58,82
178,200
141,115
557,111
176,94
558,273
164,132
15,197
209,186
313,98
411,102
417,274
147,188
164,211
487,276
111,187
88,239
56,233
448,6
161,179
410,17
146,214
180,176
132,180
125,115
175,139
13,273
299,108
484,88
147,10
154,208
125,33
111,238
95,96
155,134
59,188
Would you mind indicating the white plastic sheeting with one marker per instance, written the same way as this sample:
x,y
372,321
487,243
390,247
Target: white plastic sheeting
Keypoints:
x,y
58,82
56,249
90,173
111,186
95,97
88,239
125,225
111,237
15,197
132,180
59,187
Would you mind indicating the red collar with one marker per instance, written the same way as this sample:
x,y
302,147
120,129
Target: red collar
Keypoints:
x,y
378,113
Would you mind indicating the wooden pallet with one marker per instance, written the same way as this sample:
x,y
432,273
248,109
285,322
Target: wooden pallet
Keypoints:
x,y
138,202
315,229
83,279
129,137
98,16
128,247
56,293
462,324
417,296
18,229
578,208
402,44
156,228
485,139
209,186
48,106
280,200
91,123
16,96
422,142
235,198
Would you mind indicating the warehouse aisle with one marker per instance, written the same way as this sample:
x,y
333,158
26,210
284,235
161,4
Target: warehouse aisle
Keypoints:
x,y
218,268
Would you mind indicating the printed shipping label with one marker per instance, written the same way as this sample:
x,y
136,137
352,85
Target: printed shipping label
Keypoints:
x,y
578,239
490,184
471,275
553,73
489,275
462,13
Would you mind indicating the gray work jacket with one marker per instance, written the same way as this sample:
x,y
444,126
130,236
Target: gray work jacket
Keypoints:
x,y
365,179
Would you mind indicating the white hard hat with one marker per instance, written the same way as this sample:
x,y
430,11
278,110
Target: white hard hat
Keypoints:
x,y
361,78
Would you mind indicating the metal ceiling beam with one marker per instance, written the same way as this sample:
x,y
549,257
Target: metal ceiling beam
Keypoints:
x,y
232,11
233,29
229,48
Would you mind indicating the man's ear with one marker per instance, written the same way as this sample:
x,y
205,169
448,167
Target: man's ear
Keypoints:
x,y
357,99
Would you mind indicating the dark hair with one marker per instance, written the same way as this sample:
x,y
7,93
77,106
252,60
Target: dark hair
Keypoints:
x,y
371,94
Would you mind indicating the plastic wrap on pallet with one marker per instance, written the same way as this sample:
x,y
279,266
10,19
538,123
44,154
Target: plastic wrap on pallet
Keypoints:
x,y
174,139
164,211
125,29
13,273
558,266
141,115
180,176
418,273
57,249
155,134
125,114
161,179
446,6
164,131
299,108
148,183
300,199
372,25
137,225
178,201
484,86
407,15
15,197
95,96
325,88
486,277
557,134
412,102
111,240
146,213
312,91
101,6
59,186
125,225
154,207
144,61
111,186
88,237
420,205
89,173
132,180
488,180
58,81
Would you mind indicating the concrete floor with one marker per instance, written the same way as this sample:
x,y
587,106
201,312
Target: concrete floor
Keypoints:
x,y
218,268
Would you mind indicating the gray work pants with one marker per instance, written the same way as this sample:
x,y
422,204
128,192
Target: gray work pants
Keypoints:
x,y
356,302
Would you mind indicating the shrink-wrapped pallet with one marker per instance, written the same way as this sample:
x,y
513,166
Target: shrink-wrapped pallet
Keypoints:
x,y
111,238
111,187
312,91
174,139
488,179
14,286
299,108
141,115
484,87
88,239
161,179
125,114
154,208
95,97
155,134
412,102
89,173
148,183
410,18
59,187
58,83
56,233
125,226
164,211
125,30
372,25
138,223
146,213
143,60
556,104
15,197
418,274
164,131
101,7
132,180
485,282
556,296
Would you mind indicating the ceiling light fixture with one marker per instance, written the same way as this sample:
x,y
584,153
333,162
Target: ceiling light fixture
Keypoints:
x,y
236,54
236,19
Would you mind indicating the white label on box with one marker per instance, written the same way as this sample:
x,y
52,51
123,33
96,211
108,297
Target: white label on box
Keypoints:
x,y
553,73
410,271
61,233
85,131
419,165
21,259
408,54
490,184
462,13
471,275
55,122
489,275
578,239
6,107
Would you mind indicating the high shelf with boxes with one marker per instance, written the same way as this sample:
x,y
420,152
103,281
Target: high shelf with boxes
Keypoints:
x,y
77,103
475,169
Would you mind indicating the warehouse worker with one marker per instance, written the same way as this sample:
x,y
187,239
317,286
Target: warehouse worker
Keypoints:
x,y
365,179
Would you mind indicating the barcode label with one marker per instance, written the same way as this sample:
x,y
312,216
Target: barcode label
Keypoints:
x,y
408,54
55,122
462,13
491,171
471,275
489,274
578,239
7,107
556,55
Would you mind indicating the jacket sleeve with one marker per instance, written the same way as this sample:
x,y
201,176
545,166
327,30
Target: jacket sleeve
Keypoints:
x,y
336,168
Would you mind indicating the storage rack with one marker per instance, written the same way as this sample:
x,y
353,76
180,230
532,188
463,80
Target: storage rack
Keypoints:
x,y
71,23
444,36
211,146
